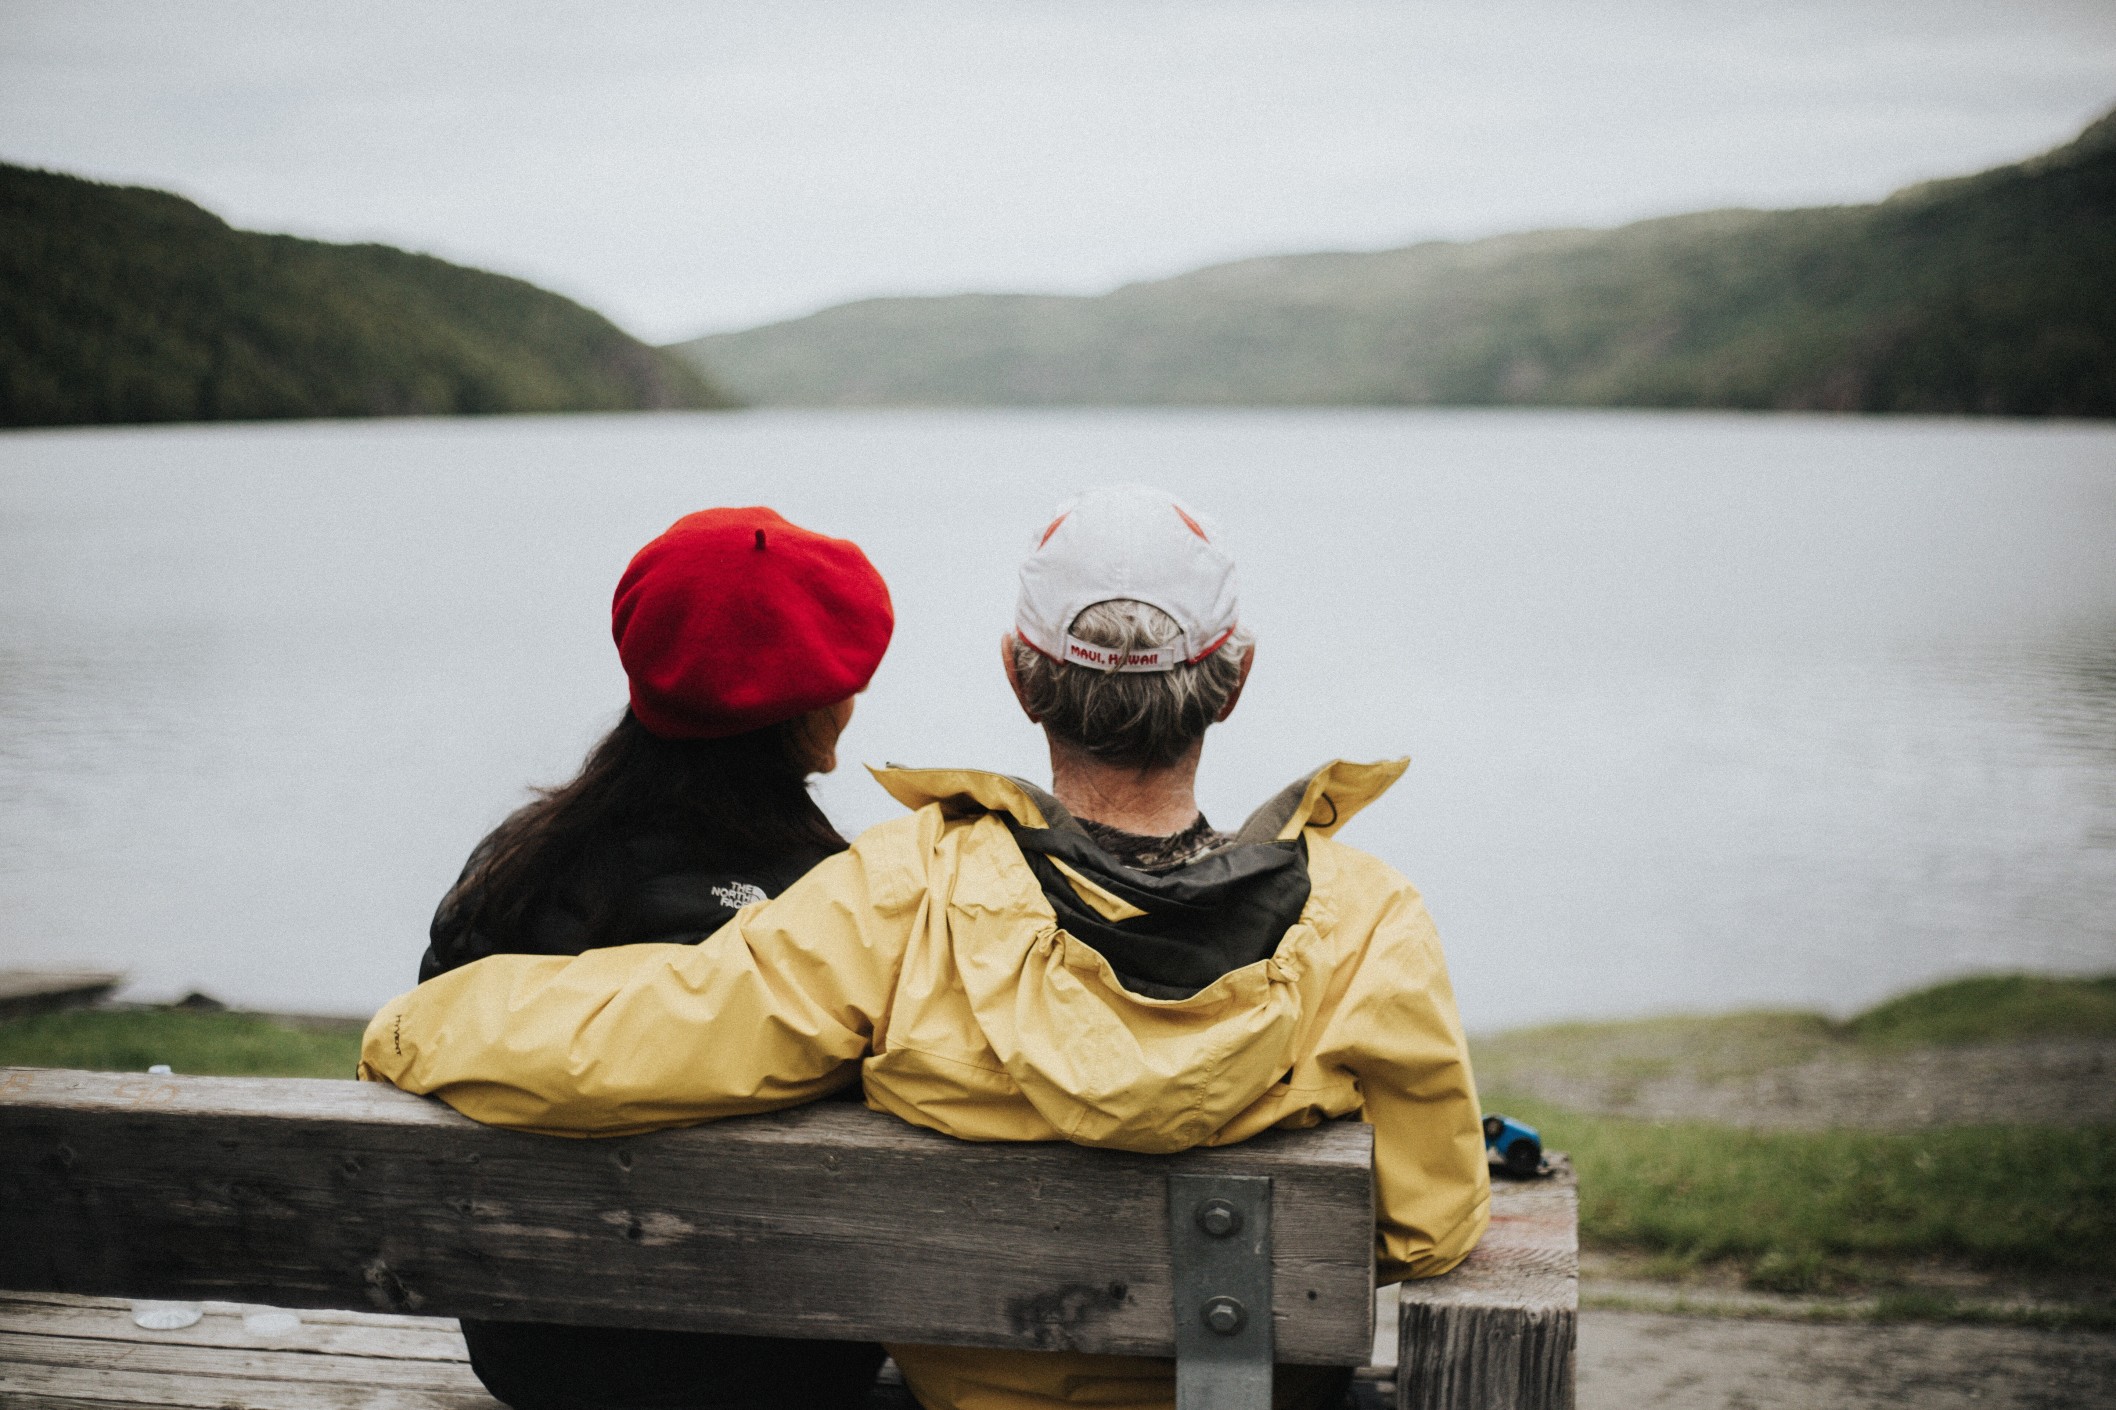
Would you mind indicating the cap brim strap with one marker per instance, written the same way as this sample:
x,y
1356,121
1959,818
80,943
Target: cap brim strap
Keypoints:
x,y
1109,658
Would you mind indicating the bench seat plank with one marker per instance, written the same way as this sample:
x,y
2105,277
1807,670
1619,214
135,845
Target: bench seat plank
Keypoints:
x,y
334,1332
297,1367
44,1387
825,1221
77,1353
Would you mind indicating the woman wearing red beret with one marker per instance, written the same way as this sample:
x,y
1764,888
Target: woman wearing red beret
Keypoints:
x,y
744,639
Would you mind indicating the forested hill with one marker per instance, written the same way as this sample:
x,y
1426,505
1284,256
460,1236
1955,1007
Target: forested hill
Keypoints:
x,y
1993,293
124,304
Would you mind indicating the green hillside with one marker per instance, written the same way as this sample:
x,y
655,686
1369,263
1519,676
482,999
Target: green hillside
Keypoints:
x,y
1993,293
130,305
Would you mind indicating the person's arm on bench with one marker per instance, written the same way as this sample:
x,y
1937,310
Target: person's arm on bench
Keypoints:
x,y
635,1038
1398,1033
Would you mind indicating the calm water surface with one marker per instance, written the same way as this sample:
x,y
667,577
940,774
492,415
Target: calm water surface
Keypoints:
x,y
1704,711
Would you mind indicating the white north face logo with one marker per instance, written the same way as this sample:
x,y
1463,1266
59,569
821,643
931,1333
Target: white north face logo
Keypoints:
x,y
738,894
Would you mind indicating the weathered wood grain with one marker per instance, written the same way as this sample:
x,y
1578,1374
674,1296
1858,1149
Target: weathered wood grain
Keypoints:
x,y
59,1352
25,1303
43,1387
827,1221
1498,1332
387,1335
248,1363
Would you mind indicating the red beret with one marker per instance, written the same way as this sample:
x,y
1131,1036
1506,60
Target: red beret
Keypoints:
x,y
735,619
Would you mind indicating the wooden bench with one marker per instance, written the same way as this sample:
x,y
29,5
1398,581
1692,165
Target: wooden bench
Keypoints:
x,y
824,1221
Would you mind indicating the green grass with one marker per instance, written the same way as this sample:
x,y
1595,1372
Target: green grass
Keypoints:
x,y
1623,1054
1826,1210
1991,1008
1913,1305
220,1044
1806,1211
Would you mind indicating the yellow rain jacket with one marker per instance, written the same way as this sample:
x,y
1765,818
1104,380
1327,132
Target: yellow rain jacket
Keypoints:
x,y
928,964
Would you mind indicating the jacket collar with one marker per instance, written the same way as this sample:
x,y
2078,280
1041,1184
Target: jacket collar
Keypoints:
x,y
1322,802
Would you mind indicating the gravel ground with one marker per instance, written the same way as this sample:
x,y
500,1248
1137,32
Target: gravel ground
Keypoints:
x,y
1642,1360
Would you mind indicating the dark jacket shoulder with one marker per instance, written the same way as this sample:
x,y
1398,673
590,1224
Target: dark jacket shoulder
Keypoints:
x,y
661,888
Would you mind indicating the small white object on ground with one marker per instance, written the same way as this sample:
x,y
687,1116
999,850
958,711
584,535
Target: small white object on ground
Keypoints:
x,y
270,1322
160,1069
166,1316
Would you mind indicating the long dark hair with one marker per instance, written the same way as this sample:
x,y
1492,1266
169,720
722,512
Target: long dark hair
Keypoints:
x,y
743,798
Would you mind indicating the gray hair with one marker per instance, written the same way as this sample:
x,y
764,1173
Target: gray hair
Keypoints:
x,y
1143,718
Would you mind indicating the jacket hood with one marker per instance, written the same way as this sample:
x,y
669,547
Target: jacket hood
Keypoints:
x,y
1321,802
1168,932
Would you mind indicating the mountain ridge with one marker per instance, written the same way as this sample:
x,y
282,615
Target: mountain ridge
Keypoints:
x,y
133,305
1988,293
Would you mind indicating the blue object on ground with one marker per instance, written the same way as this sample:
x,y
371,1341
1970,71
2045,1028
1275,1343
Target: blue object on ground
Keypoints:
x,y
1518,1145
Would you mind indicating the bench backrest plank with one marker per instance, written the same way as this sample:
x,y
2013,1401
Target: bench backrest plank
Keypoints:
x,y
825,1221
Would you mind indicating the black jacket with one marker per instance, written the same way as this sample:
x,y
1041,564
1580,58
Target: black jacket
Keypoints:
x,y
664,888
669,889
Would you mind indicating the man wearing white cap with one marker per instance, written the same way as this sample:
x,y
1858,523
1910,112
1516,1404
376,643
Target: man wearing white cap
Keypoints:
x,y
1094,963
1126,647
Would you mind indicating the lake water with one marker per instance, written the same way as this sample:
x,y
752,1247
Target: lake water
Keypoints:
x,y
1704,711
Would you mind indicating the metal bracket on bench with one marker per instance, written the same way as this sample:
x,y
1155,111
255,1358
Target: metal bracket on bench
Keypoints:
x,y
1219,1242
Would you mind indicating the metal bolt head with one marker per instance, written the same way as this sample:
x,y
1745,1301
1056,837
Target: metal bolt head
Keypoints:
x,y
1219,1218
1224,1315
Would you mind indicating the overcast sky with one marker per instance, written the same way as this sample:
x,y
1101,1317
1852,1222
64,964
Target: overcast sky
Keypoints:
x,y
696,166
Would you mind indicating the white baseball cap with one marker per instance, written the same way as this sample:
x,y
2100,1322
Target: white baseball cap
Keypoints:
x,y
1127,541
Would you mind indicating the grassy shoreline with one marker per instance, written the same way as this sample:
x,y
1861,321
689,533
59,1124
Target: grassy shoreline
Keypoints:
x,y
189,1041
1982,1009
1838,1211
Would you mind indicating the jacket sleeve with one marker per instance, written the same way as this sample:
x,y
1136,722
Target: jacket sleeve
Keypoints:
x,y
1400,1036
774,1009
